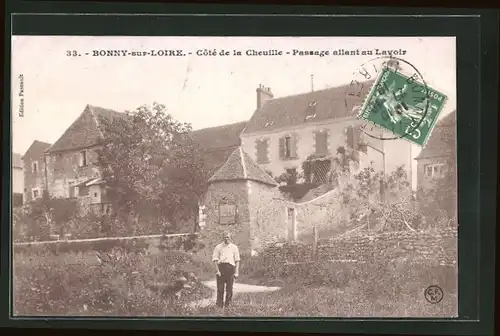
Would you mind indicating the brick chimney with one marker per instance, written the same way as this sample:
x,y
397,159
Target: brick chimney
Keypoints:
x,y
263,94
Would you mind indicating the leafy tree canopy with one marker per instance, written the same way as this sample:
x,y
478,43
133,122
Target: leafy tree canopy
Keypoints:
x,y
151,166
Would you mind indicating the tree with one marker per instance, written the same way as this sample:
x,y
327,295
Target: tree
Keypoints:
x,y
394,211
151,167
47,215
439,202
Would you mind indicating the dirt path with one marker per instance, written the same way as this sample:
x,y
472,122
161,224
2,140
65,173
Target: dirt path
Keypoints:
x,y
237,288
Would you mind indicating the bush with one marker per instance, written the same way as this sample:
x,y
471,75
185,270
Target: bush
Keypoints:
x,y
383,267
39,219
122,283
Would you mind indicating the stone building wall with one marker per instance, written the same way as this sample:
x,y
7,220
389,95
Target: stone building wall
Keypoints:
x,y
63,170
211,234
268,216
33,180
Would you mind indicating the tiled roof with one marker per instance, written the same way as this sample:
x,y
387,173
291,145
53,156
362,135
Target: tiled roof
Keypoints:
x,y
442,141
16,161
90,182
218,143
36,149
219,137
85,130
292,110
214,159
240,166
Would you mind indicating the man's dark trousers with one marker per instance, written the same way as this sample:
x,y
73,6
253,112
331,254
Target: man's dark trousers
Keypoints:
x,y
225,279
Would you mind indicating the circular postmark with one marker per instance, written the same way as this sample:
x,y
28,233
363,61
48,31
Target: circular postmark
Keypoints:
x,y
392,98
433,294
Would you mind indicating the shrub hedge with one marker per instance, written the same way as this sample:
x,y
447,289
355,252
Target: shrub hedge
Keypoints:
x,y
375,276
117,283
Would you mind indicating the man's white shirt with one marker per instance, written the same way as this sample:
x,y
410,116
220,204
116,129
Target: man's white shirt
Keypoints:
x,y
226,253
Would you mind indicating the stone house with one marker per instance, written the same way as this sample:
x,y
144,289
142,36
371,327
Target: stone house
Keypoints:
x,y
435,158
285,132
71,170
17,180
218,143
237,198
34,170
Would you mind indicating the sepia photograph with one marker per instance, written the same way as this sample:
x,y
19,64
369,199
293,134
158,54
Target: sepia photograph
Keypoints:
x,y
234,176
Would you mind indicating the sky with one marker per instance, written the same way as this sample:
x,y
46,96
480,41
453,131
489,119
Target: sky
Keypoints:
x,y
202,90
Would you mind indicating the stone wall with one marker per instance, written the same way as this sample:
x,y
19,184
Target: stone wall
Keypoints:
x,y
211,234
145,244
63,169
438,247
397,151
33,180
325,212
268,216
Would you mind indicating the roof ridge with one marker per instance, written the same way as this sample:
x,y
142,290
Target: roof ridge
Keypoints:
x,y
104,108
219,126
91,109
315,91
287,111
250,171
243,165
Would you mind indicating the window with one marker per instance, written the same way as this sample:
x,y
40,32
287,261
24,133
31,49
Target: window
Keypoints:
x,y
36,193
227,213
288,147
262,151
434,170
59,164
82,160
354,138
321,139
34,167
83,191
71,189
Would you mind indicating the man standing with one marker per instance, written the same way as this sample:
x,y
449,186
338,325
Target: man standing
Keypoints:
x,y
226,257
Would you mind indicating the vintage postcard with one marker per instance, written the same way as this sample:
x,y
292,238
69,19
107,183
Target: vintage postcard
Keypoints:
x,y
234,176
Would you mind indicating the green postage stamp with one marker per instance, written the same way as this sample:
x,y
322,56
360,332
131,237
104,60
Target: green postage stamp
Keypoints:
x,y
403,106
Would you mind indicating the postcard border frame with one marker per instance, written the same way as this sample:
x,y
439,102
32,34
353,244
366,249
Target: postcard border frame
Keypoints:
x,y
476,30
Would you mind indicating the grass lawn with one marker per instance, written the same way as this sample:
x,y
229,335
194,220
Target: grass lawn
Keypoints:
x,y
296,301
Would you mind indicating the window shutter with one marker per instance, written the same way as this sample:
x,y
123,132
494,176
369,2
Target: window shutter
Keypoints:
x,y
261,147
294,143
316,142
265,150
321,142
282,148
257,150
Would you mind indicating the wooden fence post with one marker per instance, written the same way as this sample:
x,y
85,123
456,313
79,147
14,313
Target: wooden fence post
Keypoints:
x,y
315,242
